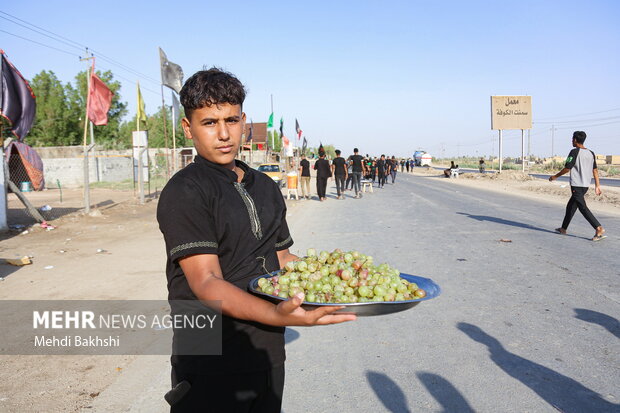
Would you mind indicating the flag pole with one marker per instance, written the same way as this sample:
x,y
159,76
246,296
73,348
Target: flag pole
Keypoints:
x,y
163,110
174,141
91,69
138,106
273,133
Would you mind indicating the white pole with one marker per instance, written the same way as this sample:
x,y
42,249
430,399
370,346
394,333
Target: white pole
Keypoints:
x,y
500,150
523,150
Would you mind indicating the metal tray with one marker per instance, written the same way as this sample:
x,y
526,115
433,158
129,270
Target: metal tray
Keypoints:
x,y
362,309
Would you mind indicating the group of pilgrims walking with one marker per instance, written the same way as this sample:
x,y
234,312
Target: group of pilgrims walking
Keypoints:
x,y
350,172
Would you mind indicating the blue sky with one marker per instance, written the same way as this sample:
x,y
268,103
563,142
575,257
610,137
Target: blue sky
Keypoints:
x,y
386,76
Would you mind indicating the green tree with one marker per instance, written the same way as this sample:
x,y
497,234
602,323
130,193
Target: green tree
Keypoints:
x,y
55,123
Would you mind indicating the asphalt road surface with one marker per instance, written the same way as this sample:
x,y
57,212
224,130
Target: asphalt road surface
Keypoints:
x,y
523,326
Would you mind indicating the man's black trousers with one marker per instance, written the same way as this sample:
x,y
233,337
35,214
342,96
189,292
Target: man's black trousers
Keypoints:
x,y
255,392
321,186
340,184
577,201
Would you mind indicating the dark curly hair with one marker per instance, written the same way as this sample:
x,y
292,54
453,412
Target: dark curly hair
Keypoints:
x,y
211,87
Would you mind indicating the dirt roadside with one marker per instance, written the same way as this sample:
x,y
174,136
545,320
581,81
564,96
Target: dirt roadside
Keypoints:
x,y
115,253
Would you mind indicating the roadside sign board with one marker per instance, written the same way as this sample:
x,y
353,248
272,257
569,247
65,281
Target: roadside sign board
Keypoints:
x,y
511,112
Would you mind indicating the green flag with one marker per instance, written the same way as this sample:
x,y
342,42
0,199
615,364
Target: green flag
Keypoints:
x,y
270,121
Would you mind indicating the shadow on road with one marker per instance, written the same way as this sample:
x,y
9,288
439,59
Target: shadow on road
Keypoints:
x,y
608,322
7,269
505,222
388,392
445,393
561,392
290,335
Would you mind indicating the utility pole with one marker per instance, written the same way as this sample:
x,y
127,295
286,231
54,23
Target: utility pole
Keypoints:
x,y
552,140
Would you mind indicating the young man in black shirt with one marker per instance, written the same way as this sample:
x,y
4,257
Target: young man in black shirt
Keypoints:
x,y
339,170
223,224
304,173
323,173
357,167
381,171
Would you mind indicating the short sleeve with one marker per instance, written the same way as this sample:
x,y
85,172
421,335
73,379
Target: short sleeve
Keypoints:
x,y
571,159
185,220
593,160
284,239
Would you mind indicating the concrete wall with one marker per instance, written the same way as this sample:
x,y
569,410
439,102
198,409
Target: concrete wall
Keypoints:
x,y
70,171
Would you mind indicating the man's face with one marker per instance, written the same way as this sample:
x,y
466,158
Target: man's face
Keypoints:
x,y
216,131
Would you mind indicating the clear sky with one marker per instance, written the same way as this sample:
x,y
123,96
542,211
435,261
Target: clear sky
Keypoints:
x,y
386,76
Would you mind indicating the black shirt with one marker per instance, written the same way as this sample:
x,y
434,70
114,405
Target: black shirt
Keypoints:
x,y
381,166
305,167
340,166
357,162
322,168
203,210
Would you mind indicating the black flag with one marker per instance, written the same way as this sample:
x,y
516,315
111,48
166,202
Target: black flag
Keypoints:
x,y
171,73
17,101
304,146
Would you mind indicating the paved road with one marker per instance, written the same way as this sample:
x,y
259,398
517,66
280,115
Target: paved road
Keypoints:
x,y
525,326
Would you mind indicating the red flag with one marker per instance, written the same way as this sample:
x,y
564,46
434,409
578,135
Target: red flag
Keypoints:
x,y
286,141
99,100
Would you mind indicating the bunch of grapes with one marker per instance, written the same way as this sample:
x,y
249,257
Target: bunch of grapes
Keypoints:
x,y
340,277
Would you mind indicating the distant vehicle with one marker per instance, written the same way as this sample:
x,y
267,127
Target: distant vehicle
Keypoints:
x,y
274,171
422,158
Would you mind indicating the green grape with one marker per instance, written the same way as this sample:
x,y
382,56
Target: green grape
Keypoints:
x,y
379,290
340,277
301,266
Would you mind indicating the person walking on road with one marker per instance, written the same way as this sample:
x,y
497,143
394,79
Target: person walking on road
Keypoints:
x,y
339,170
581,163
349,182
357,168
373,170
304,173
323,173
381,169
394,168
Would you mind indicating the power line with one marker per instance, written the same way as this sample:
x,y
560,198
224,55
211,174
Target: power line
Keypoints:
x,y
40,44
591,126
581,114
578,121
41,33
74,44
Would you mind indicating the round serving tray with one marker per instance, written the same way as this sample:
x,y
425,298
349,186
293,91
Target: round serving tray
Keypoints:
x,y
363,309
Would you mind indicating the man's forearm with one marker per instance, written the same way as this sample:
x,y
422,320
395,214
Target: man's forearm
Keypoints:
x,y
596,180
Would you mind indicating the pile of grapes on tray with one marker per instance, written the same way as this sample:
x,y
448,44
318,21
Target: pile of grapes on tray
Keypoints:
x,y
341,278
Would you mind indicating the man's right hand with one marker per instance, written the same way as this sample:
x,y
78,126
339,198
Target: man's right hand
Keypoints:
x,y
292,314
